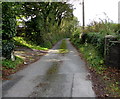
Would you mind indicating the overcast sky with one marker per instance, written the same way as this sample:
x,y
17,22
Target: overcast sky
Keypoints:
x,y
94,9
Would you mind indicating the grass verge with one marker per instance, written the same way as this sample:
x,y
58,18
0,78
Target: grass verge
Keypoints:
x,y
106,79
93,57
10,67
20,41
63,47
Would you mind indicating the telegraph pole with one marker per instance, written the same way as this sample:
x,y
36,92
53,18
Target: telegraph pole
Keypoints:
x,y
83,19
83,10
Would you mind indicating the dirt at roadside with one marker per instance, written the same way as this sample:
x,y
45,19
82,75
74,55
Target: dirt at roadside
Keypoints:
x,y
102,83
28,55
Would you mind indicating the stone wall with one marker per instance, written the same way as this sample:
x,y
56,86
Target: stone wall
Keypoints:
x,y
112,52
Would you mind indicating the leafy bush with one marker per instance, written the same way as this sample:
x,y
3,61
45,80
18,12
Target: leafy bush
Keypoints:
x,y
8,21
8,28
47,44
7,48
105,28
95,33
92,56
97,40
9,64
75,38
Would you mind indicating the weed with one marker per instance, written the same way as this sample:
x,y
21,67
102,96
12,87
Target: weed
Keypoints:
x,y
9,64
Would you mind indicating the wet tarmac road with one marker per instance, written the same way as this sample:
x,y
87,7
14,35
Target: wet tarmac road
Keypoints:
x,y
54,75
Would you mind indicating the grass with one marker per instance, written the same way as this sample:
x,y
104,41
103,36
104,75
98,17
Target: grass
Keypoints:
x,y
9,64
22,42
63,47
53,69
92,56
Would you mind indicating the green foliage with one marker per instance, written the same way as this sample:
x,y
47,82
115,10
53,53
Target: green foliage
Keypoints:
x,y
95,34
93,49
102,27
114,88
8,20
9,11
118,31
9,64
20,41
47,21
92,56
47,44
97,40
7,48
76,38
9,30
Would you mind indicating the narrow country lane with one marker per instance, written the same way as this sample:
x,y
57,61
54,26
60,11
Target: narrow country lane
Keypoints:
x,y
54,75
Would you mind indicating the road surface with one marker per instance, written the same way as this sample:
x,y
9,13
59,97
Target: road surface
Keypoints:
x,y
54,75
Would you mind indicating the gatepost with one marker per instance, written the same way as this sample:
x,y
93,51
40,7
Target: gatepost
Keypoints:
x,y
112,51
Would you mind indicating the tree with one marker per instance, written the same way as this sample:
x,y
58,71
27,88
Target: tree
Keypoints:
x,y
43,16
43,22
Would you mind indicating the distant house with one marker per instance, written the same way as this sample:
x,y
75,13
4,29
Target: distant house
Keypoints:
x,y
119,12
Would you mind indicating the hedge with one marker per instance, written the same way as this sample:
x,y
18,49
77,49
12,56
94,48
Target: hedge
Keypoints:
x,y
97,40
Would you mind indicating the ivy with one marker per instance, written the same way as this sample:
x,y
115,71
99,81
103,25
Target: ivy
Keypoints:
x,y
8,28
8,21
7,48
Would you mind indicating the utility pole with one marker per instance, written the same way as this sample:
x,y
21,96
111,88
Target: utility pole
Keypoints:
x,y
83,18
83,10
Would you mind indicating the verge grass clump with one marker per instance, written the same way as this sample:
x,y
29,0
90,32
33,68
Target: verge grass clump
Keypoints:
x,y
63,47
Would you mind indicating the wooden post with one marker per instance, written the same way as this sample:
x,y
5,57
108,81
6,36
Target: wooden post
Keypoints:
x,y
83,8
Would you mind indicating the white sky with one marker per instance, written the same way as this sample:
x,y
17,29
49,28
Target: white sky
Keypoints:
x,y
94,9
